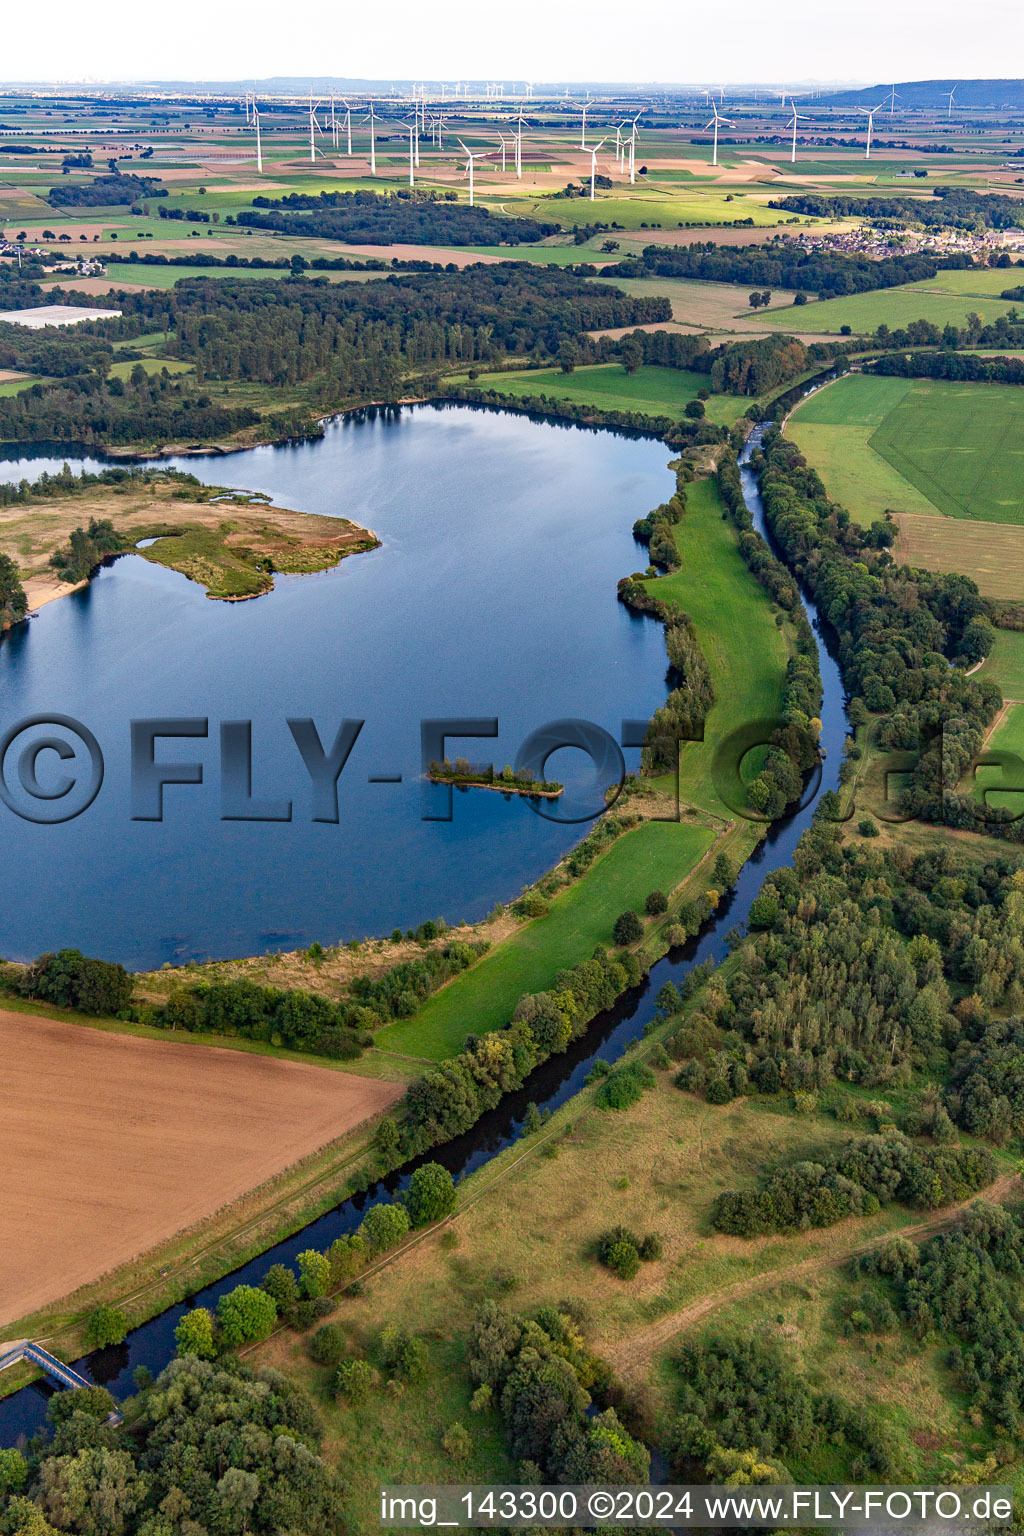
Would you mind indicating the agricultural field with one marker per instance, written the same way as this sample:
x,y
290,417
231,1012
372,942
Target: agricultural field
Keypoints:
x,y
204,1127
916,446
992,554
654,856
1004,664
897,307
655,390
711,306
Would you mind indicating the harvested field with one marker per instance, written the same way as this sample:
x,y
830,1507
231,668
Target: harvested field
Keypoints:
x,y
114,1144
992,554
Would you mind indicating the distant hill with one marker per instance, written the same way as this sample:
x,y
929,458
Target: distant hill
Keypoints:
x,y
933,96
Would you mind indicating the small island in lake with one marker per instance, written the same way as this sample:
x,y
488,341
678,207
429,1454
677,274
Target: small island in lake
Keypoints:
x,y
464,774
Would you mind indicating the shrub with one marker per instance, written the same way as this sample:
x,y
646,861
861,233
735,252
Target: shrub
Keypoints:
x,y
355,1380
402,1355
625,1085
456,1442
431,1194
655,903
866,827
107,1325
327,1346
628,928
72,980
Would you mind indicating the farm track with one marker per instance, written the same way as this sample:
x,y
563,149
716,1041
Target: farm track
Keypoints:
x,y
631,1356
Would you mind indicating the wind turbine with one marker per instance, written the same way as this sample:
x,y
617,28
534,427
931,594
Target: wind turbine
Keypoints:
x,y
259,146
348,126
593,168
870,115
583,130
519,145
716,120
373,151
894,97
620,146
413,133
633,136
798,117
949,109
313,124
480,154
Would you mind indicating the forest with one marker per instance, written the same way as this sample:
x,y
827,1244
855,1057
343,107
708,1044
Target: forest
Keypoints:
x,y
206,1447
782,263
947,208
371,218
104,192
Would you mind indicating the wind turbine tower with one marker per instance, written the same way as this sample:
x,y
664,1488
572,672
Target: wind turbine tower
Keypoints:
x,y
798,117
259,146
470,157
716,120
870,115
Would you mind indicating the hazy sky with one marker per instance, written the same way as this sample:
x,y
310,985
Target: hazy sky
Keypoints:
x,y
661,40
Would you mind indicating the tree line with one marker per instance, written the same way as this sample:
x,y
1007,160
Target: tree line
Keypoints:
x,y
372,218
785,264
206,1447
948,208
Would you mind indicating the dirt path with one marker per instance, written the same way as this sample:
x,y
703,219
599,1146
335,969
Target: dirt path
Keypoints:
x,y
631,1355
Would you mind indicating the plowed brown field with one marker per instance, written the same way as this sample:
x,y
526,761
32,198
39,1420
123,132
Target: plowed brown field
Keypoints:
x,y
111,1144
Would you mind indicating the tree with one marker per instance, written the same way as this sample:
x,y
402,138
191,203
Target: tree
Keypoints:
x,y
94,1493
280,1282
107,1325
568,356
632,354
695,409
431,1194
245,1315
628,928
13,1471
384,1225
194,1334
655,903
764,911
314,1273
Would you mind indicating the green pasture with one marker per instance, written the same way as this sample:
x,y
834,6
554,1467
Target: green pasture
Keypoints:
x,y
151,365
653,389
654,856
15,386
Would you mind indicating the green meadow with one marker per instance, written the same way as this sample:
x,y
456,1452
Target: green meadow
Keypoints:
x,y
933,300
655,390
746,651
654,856
1004,664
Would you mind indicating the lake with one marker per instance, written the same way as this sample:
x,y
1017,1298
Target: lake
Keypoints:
x,y
493,595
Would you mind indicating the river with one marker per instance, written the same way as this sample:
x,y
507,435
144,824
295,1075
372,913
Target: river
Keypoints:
x,y
554,1082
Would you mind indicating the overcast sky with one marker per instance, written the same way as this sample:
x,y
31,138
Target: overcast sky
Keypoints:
x,y
661,40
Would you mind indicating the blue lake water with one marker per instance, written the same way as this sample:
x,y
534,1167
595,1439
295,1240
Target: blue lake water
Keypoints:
x,y
493,594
